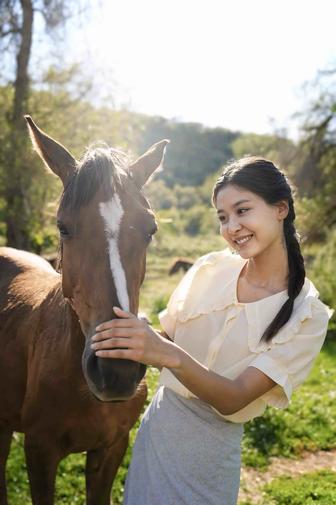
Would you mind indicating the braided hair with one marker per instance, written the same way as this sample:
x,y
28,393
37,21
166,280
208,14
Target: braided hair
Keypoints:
x,y
264,179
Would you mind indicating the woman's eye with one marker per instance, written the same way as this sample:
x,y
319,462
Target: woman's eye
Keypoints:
x,y
242,210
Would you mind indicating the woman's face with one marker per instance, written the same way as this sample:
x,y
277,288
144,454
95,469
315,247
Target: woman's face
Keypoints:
x,y
249,224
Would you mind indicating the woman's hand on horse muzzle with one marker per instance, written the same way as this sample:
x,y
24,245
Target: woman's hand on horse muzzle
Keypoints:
x,y
132,338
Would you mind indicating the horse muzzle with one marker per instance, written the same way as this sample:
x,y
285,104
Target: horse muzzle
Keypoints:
x,y
111,379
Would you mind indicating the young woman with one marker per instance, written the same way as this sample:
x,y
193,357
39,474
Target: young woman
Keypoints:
x,y
244,331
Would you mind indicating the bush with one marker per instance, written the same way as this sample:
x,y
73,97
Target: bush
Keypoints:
x,y
309,423
316,487
322,270
199,220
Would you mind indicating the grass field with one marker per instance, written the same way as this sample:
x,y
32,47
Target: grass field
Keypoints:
x,y
308,424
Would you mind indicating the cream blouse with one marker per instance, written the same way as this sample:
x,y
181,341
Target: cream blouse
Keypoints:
x,y
205,318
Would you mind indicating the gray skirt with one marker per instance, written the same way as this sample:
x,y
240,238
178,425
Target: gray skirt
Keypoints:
x,y
184,454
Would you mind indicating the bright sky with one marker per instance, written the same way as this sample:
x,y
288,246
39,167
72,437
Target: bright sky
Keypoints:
x,y
239,64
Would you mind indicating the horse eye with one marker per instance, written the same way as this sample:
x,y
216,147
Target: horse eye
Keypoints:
x,y
151,233
62,230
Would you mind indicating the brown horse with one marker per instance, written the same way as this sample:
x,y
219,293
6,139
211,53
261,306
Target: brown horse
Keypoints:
x,y
52,386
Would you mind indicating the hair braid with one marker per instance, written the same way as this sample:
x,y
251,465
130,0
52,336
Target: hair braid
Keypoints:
x,y
296,274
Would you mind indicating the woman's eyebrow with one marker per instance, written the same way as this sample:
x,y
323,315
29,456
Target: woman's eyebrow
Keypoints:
x,y
234,205
240,202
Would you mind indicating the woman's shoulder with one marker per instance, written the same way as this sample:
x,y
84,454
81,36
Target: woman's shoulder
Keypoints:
x,y
221,259
310,315
309,302
207,286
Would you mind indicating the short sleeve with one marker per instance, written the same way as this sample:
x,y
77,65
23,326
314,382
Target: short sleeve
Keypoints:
x,y
168,323
289,363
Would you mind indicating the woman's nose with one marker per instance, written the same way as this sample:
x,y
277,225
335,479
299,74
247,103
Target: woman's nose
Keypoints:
x,y
233,226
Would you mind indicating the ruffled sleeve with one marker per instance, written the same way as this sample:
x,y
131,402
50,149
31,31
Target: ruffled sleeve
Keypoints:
x,y
198,291
289,361
168,316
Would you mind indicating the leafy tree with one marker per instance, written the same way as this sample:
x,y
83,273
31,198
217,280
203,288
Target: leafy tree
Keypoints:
x,y
316,174
279,149
77,124
17,18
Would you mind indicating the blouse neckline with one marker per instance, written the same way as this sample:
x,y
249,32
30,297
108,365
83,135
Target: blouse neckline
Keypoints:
x,y
284,291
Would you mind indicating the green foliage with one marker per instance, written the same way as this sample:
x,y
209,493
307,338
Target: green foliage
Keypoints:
x,y
159,304
309,423
194,152
160,196
308,489
322,271
316,167
276,148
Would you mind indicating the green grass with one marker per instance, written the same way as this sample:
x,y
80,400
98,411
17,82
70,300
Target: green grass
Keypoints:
x,y
309,423
308,489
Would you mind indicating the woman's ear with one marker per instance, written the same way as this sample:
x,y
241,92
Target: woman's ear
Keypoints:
x,y
283,209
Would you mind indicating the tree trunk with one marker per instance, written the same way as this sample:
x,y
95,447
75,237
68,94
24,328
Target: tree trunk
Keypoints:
x,y
17,176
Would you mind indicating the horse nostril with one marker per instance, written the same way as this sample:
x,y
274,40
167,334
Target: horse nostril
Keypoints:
x,y
111,379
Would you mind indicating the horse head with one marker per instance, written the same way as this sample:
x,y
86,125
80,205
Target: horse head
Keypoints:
x,y
105,225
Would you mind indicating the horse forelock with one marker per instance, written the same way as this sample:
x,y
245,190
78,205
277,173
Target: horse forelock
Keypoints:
x,y
100,167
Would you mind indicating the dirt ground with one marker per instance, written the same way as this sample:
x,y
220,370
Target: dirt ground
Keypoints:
x,y
252,481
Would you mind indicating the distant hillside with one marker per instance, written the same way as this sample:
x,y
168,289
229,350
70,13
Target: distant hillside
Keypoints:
x,y
195,151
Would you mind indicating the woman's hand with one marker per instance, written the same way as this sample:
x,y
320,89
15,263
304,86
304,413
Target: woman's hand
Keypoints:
x,y
132,338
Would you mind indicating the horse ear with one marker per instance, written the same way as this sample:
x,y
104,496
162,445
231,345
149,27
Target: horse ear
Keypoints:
x,y
54,155
146,165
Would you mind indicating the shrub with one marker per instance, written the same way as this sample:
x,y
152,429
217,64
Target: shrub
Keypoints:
x,y
322,270
316,487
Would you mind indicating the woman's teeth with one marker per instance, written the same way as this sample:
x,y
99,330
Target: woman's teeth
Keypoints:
x,y
243,240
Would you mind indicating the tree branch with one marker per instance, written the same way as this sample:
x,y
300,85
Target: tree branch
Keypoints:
x,y
11,31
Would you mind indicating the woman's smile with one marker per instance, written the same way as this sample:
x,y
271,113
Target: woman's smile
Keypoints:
x,y
243,240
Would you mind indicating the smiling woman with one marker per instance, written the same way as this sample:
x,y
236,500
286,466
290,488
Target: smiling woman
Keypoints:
x,y
244,331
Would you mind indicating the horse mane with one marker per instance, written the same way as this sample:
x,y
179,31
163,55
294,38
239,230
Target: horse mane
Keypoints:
x,y
100,167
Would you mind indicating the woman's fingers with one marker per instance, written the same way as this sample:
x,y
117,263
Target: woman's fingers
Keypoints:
x,y
125,323
128,319
118,354
126,332
111,343
123,313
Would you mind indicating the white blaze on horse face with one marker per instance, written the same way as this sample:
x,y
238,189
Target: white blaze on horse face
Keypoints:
x,y
112,213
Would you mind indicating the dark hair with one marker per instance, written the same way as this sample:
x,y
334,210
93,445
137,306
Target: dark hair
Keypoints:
x,y
263,178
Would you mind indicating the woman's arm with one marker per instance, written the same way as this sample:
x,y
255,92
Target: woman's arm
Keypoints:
x,y
136,340
227,396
